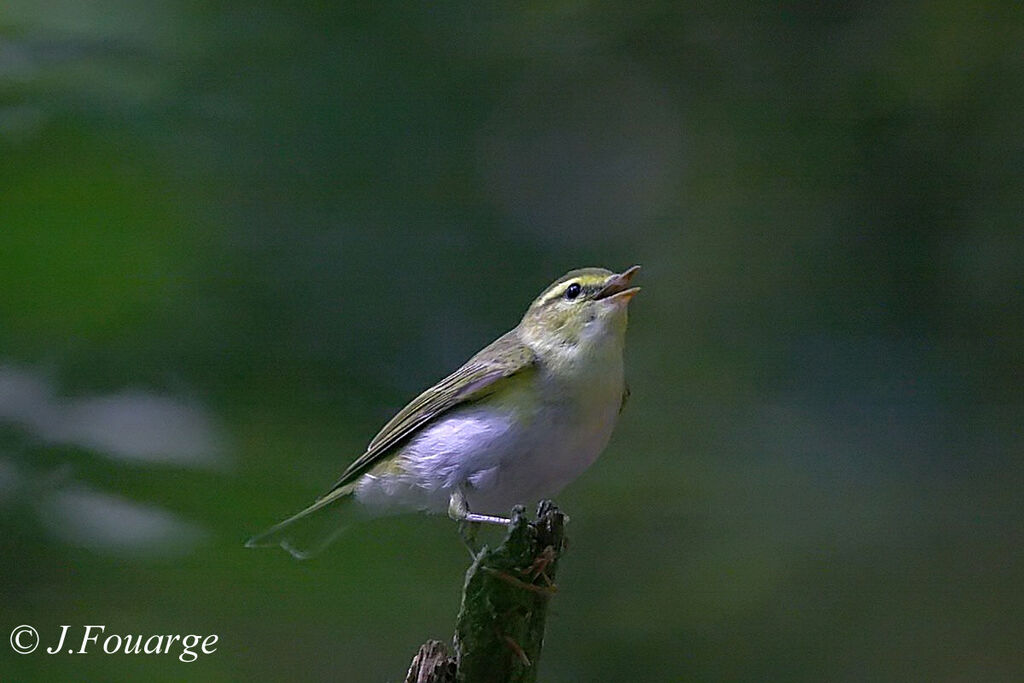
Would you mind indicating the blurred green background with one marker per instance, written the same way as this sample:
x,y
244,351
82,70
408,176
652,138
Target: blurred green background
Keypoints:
x,y
236,236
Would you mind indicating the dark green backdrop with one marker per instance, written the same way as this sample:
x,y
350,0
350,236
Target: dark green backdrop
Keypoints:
x,y
236,236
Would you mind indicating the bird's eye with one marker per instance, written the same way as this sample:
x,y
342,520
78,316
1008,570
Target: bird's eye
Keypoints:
x,y
572,291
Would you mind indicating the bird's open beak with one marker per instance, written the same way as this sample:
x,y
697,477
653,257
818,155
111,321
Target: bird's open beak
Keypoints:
x,y
617,287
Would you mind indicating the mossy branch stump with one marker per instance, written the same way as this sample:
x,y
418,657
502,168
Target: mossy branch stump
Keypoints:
x,y
500,628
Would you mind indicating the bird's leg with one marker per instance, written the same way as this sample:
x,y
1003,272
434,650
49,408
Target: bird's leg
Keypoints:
x,y
458,509
469,523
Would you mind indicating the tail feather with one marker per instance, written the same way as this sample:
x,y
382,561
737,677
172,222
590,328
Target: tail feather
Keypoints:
x,y
307,534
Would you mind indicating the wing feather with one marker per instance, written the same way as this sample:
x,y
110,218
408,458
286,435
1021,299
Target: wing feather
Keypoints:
x,y
481,375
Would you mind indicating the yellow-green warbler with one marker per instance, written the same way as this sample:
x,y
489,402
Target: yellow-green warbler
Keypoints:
x,y
521,419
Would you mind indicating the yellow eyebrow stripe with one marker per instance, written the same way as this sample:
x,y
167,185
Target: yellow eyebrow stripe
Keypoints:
x,y
558,289
555,292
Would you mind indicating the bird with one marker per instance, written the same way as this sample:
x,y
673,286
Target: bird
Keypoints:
x,y
520,420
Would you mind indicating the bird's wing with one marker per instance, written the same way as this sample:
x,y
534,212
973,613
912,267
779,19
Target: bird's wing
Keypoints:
x,y
481,375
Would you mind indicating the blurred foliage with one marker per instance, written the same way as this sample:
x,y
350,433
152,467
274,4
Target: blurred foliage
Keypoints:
x,y
273,223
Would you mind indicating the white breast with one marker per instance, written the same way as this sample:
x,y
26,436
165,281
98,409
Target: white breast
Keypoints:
x,y
502,454
499,459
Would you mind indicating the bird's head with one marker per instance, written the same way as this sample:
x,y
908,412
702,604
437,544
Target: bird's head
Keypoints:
x,y
580,308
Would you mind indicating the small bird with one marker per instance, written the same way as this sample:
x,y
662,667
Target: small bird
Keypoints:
x,y
519,421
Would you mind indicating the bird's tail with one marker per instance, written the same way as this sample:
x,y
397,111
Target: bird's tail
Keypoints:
x,y
306,534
